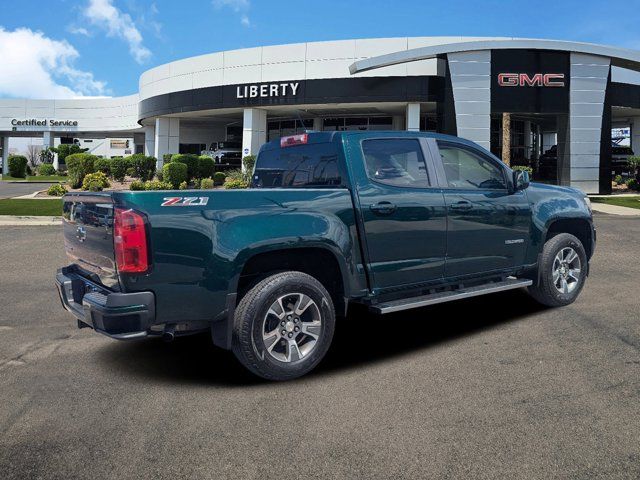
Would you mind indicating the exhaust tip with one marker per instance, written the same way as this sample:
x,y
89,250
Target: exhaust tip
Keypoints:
x,y
169,333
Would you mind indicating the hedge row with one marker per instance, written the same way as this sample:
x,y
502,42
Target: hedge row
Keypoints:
x,y
79,165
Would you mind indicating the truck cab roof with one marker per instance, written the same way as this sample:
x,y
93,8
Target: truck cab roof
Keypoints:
x,y
328,137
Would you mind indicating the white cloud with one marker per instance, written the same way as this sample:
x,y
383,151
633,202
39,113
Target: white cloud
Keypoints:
x,y
78,30
238,6
103,14
35,66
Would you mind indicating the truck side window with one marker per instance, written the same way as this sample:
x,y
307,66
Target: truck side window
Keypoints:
x,y
313,166
395,161
466,169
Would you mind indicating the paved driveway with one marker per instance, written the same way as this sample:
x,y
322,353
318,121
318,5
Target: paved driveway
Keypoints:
x,y
10,189
492,387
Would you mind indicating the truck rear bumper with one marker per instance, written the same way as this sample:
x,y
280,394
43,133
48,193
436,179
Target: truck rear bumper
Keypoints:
x,y
123,316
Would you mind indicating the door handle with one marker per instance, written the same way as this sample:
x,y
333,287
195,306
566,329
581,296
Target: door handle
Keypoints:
x,y
383,208
462,205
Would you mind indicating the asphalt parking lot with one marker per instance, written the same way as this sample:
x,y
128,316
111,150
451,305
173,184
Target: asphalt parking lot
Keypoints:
x,y
15,189
492,387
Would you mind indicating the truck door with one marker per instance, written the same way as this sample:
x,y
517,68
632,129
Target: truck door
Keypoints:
x,y
403,211
488,225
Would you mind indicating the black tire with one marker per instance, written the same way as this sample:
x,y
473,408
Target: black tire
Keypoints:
x,y
250,323
546,292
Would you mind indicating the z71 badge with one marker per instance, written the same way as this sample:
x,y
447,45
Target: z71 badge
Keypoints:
x,y
184,201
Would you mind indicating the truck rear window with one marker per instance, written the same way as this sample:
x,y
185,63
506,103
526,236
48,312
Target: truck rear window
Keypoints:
x,y
313,166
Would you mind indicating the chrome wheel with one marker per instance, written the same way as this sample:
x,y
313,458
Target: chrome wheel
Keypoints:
x,y
291,328
566,270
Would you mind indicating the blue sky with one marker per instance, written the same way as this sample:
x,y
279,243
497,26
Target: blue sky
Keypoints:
x,y
64,48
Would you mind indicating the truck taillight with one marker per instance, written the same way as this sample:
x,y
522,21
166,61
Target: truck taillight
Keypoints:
x,y
292,140
130,241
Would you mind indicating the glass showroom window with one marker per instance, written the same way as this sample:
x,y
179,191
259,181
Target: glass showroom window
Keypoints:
x,y
283,128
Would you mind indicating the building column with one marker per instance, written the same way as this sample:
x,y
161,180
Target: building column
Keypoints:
x,y
317,124
589,77
397,122
634,123
254,130
413,117
149,141
5,155
471,85
166,138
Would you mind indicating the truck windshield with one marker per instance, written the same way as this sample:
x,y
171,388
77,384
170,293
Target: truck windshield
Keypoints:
x,y
312,165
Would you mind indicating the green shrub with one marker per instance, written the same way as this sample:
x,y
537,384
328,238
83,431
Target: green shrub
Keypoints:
x,y
232,184
205,166
156,185
174,173
95,182
219,177
633,184
131,172
206,183
144,167
137,185
56,190
29,171
46,169
190,160
522,168
64,150
634,165
183,186
18,166
166,158
102,165
159,175
618,180
79,165
249,162
235,175
119,168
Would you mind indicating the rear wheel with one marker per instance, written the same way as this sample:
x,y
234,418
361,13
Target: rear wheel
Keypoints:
x,y
562,271
283,326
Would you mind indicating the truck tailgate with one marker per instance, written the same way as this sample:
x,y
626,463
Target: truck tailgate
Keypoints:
x,y
88,235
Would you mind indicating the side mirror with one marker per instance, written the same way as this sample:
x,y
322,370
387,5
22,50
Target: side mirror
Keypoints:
x,y
520,180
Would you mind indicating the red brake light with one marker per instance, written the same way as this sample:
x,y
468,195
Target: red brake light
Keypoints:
x,y
130,242
291,140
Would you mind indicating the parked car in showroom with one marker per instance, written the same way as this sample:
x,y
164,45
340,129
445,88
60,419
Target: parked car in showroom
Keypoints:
x,y
389,220
227,153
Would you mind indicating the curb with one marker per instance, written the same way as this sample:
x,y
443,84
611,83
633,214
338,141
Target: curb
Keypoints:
x,y
17,220
615,210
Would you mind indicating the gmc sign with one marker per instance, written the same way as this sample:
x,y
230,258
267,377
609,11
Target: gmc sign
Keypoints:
x,y
535,80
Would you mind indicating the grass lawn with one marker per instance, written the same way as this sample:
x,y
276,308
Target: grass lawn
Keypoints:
x,y
37,178
12,206
632,202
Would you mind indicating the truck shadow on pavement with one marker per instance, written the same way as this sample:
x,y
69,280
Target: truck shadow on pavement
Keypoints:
x,y
360,339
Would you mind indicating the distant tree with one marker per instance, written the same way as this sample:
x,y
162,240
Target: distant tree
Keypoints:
x,y
33,155
46,155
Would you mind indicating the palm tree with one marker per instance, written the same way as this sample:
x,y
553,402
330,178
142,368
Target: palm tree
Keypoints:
x,y
506,138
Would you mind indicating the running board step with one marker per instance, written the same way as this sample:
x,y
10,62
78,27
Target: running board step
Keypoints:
x,y
432,299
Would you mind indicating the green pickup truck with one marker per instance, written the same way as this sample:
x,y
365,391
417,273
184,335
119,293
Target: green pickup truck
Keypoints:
x,y
390,220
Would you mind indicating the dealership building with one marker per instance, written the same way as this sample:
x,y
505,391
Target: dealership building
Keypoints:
x,y
563,100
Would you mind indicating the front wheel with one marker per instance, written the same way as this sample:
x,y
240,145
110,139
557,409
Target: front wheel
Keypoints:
x,y
283,326
562,271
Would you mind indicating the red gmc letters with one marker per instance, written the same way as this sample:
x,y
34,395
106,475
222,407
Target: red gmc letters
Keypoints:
x,y
535,80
